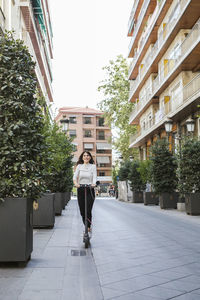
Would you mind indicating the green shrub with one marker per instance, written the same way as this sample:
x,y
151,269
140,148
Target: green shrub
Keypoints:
x,y
136,182
22,145
190,167
163,168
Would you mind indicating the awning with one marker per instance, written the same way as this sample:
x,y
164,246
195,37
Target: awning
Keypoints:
x,y
37,7
103,160
88,146
89,116
104,146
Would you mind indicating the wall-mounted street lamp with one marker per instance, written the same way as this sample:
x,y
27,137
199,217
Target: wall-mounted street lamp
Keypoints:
x,y
190,125
65,124
168,125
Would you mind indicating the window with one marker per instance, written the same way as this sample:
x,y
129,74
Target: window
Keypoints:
x,y
101,135
100,122
72,133
87,133
87,120
101,151
101,173
72,120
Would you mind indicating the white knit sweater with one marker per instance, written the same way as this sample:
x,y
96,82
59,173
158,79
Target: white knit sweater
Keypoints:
x,y
85,174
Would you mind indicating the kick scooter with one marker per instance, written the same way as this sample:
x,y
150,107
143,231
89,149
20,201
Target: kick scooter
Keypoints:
x,y
86,237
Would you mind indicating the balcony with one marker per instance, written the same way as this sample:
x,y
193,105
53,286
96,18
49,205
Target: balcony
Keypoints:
x,y
104,178
134,14
33,29
2,21
147,9
177,20
188,59
188,98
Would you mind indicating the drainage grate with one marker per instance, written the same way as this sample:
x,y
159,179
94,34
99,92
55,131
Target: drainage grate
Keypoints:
x,y
78,253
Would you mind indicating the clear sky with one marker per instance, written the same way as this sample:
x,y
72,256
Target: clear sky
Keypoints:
x,y
87,34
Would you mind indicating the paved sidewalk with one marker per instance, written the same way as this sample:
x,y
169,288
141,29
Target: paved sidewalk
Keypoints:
x,y
137,253
54,273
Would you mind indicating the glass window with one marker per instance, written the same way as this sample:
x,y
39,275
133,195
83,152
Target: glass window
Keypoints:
x,y
101,135
72,120
87,120
87,133
101,173
100,122
72,133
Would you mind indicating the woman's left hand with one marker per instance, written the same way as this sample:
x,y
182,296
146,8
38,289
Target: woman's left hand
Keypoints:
x,y
93,185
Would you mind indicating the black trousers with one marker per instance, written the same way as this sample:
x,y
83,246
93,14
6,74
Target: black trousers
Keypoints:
x,y
90,202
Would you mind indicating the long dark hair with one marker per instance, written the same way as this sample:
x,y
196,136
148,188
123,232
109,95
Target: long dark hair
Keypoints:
x,y
80,160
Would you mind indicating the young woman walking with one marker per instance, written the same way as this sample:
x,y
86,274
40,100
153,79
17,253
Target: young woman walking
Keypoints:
x,y
85,173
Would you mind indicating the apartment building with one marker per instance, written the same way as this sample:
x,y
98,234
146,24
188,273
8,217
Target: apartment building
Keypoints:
x,y
164,72
31,21
89,132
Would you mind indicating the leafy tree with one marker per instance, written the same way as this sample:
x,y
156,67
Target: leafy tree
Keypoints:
x,y
115,171
190,167
124,170
60,173
136,182
145,171
163,168
22,146
115,88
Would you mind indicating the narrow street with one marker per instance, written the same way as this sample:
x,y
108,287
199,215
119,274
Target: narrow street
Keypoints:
x,y
137,253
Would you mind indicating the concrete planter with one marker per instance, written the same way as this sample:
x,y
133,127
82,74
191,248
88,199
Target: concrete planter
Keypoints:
x,y
168,200
16,230
138,197
58,203
150,198
192,204
181,204
44,216
63,200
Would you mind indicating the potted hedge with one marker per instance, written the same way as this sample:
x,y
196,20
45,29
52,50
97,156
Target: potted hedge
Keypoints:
x,y
21,149
163,172
190,176
136,182
150,197
60,174
44,212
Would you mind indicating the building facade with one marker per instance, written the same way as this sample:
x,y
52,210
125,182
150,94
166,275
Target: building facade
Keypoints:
x,y
164,72
31,22
87,128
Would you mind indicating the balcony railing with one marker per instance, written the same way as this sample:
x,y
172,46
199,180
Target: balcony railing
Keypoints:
x,y
139,106
104,178
132,13
184,49
163,36
139,22
189,90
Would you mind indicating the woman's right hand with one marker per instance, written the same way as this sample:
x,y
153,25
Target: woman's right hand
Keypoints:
x,y
77,185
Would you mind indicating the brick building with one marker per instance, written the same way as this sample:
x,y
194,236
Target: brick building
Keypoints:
x,y
86,125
